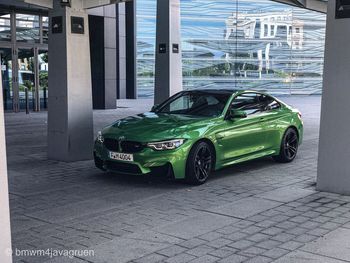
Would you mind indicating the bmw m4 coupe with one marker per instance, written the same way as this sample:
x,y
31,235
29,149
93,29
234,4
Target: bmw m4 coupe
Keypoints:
x,y
196,132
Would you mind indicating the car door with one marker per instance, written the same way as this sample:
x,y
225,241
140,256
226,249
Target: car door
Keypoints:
x,y
245,136
273,119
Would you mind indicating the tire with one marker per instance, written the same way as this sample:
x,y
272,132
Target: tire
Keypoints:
x,y
199,163
289,147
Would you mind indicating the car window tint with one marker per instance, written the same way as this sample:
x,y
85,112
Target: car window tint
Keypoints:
x,y
197,104
269,103
248,102
253,103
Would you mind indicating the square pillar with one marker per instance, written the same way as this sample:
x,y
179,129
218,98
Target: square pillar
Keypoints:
x,y
70,119
5,237
103,50
334,146
130,49
168,69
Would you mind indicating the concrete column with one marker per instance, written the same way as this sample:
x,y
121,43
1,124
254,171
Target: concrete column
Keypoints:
x,y
130,30
111,76
121,51
70,122
334,145
5,237
103,47
168,69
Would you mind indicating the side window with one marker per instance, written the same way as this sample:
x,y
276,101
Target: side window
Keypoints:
x,y
269,103
253,103
248,102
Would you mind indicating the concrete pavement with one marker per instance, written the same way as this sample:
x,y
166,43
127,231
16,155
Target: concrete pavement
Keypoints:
x,y
258,211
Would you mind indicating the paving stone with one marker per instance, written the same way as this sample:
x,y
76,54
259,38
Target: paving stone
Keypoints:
x,y
191,243
251,230
223,252
259,259
268,244
275,252
211,236
283,237
233,259
286,194
124,250
272,231
220,242
182,258
149,235
242,244
258,237
196,226
246,207
335,244
304,257
305,238
200,250
252,251
153,258
291,245
205,259
171,251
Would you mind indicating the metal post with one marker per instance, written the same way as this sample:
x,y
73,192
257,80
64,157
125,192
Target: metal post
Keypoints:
x,y
15,86
45,97
26,100
36,80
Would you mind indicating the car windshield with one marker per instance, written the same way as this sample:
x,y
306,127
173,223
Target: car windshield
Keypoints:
x,y
202,104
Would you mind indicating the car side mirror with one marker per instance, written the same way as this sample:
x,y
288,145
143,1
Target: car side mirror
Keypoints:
x,y
237,114
154,107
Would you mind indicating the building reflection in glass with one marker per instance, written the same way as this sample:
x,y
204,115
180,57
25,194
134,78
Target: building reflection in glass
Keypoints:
x,y
239,44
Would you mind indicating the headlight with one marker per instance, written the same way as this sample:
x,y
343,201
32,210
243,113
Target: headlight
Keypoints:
x,y
166,145
100,138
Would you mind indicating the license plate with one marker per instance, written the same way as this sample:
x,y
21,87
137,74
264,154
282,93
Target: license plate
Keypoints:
x,y
121,157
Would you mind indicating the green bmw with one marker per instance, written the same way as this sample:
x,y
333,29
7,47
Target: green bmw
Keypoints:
x,y
195,132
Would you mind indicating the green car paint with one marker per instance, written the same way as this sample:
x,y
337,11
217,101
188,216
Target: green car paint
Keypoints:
x,y
234,140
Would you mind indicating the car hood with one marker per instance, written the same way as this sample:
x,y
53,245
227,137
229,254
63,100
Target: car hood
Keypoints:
x,y
151,126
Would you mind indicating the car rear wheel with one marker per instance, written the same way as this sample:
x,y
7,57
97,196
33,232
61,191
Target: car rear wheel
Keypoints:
x,y
289,147
199,163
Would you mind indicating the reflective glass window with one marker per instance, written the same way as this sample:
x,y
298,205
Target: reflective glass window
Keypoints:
x,y
45,25
240,44
27,28
5,26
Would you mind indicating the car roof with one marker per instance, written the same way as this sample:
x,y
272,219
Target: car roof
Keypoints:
x,y
225,91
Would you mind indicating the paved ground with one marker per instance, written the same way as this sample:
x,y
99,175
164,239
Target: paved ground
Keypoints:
x,y
259,211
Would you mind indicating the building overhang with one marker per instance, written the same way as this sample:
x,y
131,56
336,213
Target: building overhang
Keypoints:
x,y
315,5
85,4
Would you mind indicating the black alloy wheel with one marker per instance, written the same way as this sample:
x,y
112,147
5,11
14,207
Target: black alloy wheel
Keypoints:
x,y
199,163
289,147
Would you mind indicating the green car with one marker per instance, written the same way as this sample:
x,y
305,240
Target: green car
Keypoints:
x,y
195,132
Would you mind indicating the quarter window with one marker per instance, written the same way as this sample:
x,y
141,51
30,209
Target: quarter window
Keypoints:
x,y
253,103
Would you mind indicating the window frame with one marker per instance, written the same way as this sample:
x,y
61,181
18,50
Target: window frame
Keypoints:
x,y
257,94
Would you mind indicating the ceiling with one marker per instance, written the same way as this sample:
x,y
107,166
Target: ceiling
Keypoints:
x,y
316,5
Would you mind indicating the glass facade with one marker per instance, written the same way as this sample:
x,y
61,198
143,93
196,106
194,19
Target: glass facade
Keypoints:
x,y
239,44
24,60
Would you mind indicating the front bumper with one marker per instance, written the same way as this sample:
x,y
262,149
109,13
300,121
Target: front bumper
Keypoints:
x,y
145,161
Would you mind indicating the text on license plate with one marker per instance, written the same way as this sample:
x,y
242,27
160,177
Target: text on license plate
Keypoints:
x,y
121,156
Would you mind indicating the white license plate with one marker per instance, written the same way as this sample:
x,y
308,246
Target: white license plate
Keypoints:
x,y
121,157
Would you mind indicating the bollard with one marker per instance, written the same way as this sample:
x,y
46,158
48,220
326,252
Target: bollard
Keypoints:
x,y
27,100
45,99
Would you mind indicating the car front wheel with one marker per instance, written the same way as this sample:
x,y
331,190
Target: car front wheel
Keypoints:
x,y
199,163
289,147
